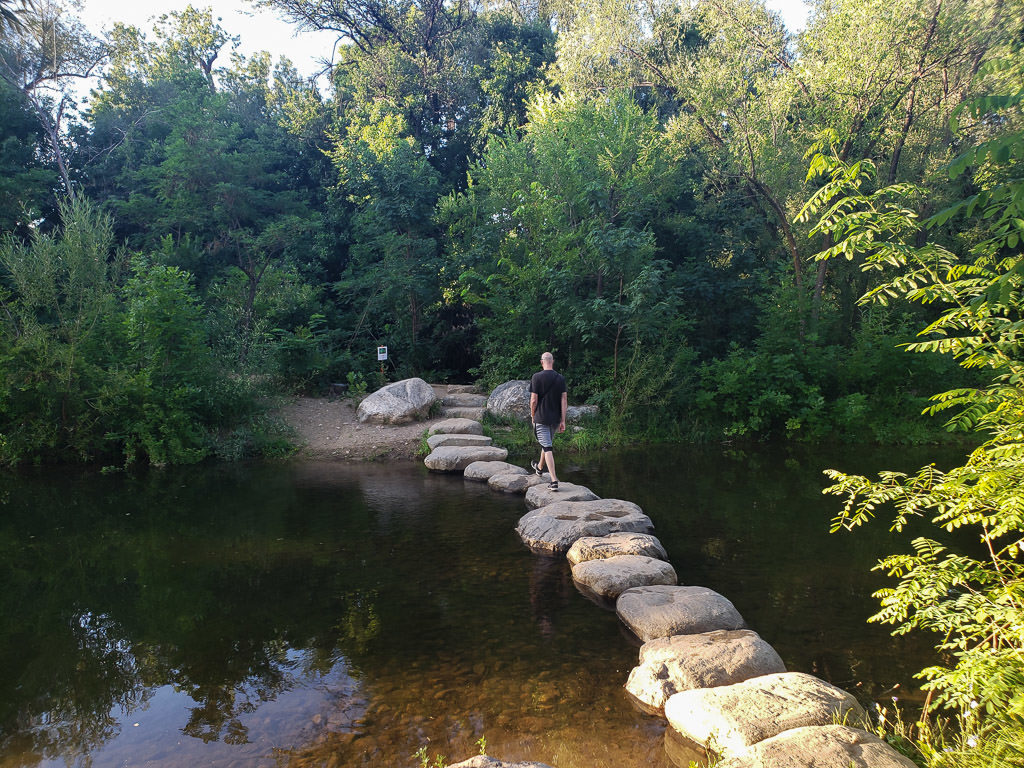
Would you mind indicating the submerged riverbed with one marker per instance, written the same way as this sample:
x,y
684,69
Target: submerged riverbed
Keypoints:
x,y
349,615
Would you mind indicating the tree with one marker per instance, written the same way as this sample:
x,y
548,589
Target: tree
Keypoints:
x,y
40,58
975,601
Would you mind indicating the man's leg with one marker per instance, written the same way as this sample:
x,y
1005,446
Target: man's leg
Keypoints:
x,y
550,458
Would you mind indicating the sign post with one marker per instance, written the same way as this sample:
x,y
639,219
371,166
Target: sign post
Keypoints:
x,y
382,355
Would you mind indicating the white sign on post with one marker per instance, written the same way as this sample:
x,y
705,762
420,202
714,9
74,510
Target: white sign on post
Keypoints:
x,y
382,353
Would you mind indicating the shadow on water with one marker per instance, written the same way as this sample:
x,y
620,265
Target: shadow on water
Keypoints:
x,y
320,614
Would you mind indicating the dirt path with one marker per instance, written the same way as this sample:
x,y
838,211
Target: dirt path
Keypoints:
x,y
328,429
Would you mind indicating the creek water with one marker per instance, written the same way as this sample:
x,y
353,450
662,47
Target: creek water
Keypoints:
x,y
322,614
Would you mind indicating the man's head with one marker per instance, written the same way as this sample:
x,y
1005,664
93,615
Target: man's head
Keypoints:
x,y
547,361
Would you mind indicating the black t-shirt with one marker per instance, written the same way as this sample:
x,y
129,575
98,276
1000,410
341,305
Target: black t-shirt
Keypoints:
x,y
549,386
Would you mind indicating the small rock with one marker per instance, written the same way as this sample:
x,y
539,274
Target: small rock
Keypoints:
x,y
540,496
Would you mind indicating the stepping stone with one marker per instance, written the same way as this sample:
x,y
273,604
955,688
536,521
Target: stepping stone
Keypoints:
x,y
476,414
553,528
460,400
483,470
514,483
825,746
612,576
483,761
456,427
732,717
463,389
436,441
540,496
669,665
658,611
455,458
598,547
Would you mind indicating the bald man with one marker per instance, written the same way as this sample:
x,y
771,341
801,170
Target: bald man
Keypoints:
x,y
548,403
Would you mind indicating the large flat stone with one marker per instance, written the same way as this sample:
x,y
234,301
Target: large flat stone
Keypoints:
x,y
553,528
731,718
825,746
514,483
456,427
659,611
540,496
397,403
483,470
436,441
455,458
463,389
464,400
669,665
459,412
611,576
622,543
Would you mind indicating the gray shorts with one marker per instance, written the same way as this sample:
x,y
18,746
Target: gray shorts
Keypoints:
x,y
544,434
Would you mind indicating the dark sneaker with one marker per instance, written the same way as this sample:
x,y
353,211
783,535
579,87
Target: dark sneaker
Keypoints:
x,y
536,469
553,485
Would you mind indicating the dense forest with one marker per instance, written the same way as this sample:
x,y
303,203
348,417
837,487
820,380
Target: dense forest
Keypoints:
x,y
619,183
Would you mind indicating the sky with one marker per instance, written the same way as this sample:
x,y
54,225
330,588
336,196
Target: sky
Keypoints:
x,y
261,30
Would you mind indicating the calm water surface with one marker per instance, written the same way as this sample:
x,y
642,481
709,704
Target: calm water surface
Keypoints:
x,y
315,614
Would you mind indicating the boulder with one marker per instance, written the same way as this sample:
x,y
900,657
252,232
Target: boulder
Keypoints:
x,y
669,665
462,400
825,746
660,611
436,441
483,761
483,470
540,496
511,399
577,412
611,576
598,547
397,403
514,483
732,717
455,458
456,427
553,528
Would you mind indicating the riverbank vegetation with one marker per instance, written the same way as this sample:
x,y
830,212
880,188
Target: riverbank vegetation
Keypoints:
x,y
467,187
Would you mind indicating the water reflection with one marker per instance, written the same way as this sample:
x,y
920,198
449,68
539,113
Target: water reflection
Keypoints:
x,y
318,614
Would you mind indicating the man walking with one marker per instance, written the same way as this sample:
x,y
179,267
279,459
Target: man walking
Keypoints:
x,y
548,404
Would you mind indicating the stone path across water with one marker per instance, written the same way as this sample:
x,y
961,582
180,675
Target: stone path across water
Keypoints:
x,y
720,686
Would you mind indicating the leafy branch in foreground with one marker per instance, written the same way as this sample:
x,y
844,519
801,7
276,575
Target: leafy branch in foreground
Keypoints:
x,y
974,599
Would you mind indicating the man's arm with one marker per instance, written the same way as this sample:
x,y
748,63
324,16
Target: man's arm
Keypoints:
x,y
533,407
565,409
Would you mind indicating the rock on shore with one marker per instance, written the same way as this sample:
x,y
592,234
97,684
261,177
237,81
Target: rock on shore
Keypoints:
x,y
397,403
